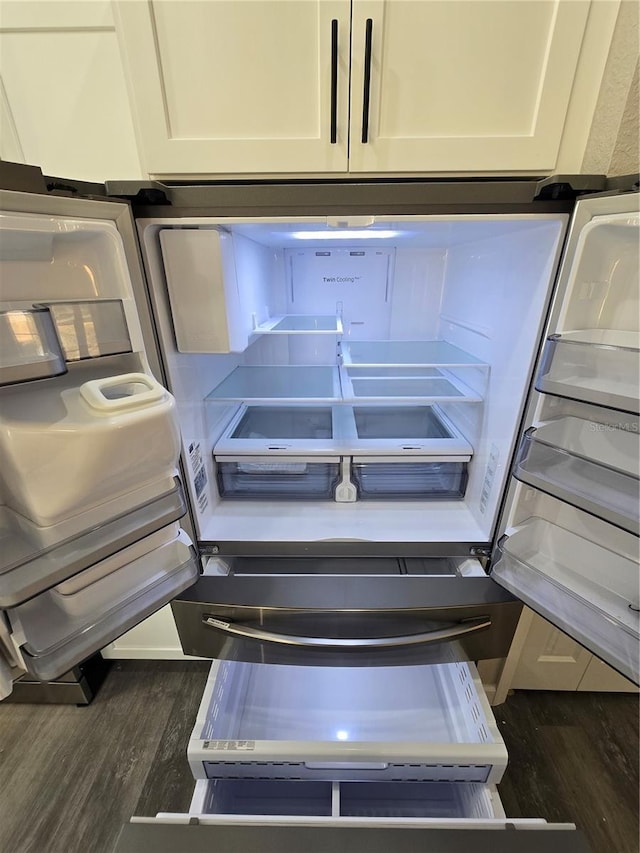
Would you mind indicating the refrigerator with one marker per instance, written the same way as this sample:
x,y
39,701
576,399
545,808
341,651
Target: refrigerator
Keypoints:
x,y
346,429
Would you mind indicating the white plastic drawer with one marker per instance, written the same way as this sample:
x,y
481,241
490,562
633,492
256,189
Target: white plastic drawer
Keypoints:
x,y
398,723
65,625
255,799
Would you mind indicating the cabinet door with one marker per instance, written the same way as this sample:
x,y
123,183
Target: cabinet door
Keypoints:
x,y
258,86
467,86
63,95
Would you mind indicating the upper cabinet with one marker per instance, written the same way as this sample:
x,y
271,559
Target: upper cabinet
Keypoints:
x,y
228,86
472,85
395,86
64,104
202,88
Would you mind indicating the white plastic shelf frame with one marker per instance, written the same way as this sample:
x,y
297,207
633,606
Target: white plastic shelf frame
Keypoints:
x,y
300,324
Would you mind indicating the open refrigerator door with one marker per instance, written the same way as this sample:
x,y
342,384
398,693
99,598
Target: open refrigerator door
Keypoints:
x,y
568,538
90,497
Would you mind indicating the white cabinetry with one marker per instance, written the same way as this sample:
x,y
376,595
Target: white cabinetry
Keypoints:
x,y
63,97
239,87
462,86
421,86
544,658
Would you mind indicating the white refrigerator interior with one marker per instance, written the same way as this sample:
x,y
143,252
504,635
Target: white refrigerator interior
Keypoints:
x,y
89,495
386,406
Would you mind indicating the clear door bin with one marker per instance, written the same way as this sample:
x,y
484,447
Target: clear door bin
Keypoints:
x,y
277,478
591,465
31,562
418,723
582,583
91,328
426,480
29,346
67,624
69,448
595,366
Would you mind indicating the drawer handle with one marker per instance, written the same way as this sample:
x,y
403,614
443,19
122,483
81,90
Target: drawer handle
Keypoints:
x,y
450,632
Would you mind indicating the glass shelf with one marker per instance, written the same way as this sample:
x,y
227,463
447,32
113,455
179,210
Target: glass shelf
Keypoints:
x,y
590,465
578,584
405,353
599,366
395,385
300,324
317,383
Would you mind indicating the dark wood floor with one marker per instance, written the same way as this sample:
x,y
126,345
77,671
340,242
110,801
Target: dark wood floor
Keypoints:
x,y
69,777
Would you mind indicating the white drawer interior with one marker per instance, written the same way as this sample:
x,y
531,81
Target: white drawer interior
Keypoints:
x,y
414,723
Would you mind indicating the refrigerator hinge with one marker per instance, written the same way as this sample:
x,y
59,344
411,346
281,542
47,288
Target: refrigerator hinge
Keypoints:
x,y
568,186
480,552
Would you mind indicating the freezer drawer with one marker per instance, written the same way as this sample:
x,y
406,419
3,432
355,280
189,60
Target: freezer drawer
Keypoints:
x,y
66,624
351,619
171,833
413,723
258,799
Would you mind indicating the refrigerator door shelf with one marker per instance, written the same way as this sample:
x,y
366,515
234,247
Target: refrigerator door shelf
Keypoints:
x,y
29,346
412,723
30,564
599,366
63,626
588,589
590,465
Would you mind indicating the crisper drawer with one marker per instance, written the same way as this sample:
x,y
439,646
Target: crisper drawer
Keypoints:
x,y
413,723
69,622
407,479
277,478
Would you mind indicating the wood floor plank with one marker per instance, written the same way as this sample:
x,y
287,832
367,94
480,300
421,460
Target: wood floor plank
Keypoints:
x,y
574,757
